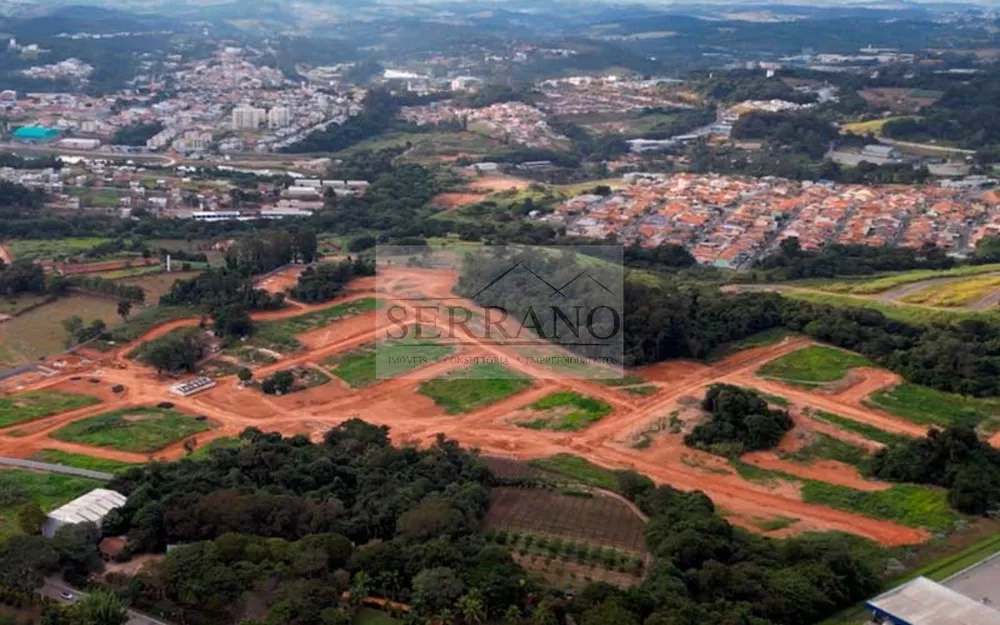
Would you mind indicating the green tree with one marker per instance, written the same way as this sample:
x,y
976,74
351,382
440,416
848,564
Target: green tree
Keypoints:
x,y
470,606
99,608
30,518
245,375
124,309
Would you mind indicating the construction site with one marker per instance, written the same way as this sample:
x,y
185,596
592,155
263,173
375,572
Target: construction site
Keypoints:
x,y
641,429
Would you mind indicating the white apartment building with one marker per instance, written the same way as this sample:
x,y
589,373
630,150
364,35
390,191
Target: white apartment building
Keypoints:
x,y
279,117
247,118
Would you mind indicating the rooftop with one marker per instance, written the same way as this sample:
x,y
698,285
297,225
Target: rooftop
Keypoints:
x,y
35,132
979,582
924,602
92,506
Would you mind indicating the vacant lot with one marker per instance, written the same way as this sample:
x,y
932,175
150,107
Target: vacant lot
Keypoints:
x,y
891,281
593,519
955,294
927,406
140,430
80,461
37,404
563,411
368,364
813,365
279,334
40,333
48,490
156,285
908,504
825,447
474,387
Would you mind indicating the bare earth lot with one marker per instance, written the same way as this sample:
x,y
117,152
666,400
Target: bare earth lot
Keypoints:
x,y
674,389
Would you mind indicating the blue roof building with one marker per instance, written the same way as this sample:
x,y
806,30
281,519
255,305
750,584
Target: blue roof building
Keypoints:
x,y
35,134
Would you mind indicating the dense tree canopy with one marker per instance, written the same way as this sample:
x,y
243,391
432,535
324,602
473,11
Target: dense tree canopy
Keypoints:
x,y
955,458
739,421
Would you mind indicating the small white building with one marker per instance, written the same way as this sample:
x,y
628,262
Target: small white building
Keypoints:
x,y
195,385
93,507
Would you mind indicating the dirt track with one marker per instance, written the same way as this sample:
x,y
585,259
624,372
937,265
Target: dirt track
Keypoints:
x,y
417,419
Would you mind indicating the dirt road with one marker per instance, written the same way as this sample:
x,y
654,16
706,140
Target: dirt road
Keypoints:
x,y
414,418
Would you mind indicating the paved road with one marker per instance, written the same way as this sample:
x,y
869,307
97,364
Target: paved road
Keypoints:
x,y
53,589
54,468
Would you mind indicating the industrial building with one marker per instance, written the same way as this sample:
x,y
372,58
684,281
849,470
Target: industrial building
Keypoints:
x,y
93,507
971,596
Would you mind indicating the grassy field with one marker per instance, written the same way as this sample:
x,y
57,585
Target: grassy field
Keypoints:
x,y
279,334
368,364
48,490
225,442
37,404
955,294
474,387
140,430
13,304
80,461
813,365
826,447
156,284
565,411
907,313
40,333
907,504
144,321
371,616
872,127
37,249
579,470
870,432
870,286
927,406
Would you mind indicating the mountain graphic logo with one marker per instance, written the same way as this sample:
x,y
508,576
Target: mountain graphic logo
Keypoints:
x,y
556,290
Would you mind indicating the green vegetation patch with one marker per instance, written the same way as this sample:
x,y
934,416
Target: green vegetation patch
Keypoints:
x,y
580,470
908,504
48,490
642,391
566,411
826,447
870,432
368,364
891,281
139,430
224,442
813,365
927,406
279,334
36,249
80,461
38,404
371,616
474,387
144,321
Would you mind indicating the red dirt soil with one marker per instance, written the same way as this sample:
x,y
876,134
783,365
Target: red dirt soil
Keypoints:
x,y
498,183
414,418
111,265
281,281
451,201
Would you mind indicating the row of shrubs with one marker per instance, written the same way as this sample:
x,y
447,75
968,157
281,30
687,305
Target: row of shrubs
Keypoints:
x,y
553,547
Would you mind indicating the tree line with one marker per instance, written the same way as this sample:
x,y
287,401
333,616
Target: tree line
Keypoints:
x,y
323,282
